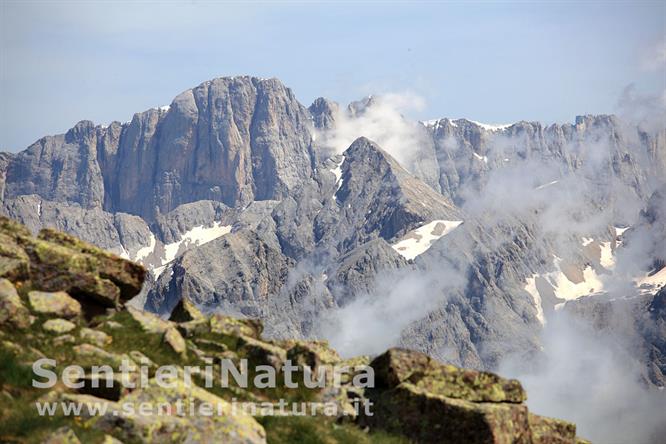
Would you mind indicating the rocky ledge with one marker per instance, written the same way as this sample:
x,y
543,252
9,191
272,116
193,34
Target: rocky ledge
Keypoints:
x,y
63,299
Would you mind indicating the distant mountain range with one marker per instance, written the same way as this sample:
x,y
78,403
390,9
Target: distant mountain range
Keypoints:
x,y
463,245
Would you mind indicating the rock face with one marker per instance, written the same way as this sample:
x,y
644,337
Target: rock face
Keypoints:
x,y
232,140
415,397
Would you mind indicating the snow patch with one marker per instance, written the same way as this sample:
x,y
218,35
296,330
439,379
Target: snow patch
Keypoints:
x,y
566,289
419,240
531,288
337,171
197,236
652,282
436,123
607,260
620,231
146,251
492,126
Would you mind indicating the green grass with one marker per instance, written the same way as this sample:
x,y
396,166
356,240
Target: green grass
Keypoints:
x,y
13,372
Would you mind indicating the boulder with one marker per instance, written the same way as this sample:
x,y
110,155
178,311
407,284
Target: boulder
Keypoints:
x,y
193,328
398,365
56,303
14,262
149,322
63,435
551,431
226,325
186,311
426,417
12,310
63,339
88,355
173,338
222,425
58,326
312,354
428,401
126,275
96,337
262,353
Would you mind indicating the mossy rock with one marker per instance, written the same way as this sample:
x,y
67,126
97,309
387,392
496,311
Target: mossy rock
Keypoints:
x,y
14,262
88,355
222,426
551,431
56,303
398,365
262,353
312,354
149,322
174,340
127,276
186,311
95,337
225,325
58,326
12,310
194,328
63,435
425,417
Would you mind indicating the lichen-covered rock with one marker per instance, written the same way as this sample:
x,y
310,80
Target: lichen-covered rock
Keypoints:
x,y
193,328
14,262
222,425
262,353
175,341
186,311
64,339
95,337
63,435
58,326
59,262
149,322
88,355
426,417
127,276
56,303
226,325
312,354
108,439
141,359
398,365
551,431
428,401
12,310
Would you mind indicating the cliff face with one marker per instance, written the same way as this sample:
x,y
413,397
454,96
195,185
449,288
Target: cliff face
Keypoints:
x,y
63,299
232,140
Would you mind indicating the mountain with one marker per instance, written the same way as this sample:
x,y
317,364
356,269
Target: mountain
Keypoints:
x,y
451,237
232,140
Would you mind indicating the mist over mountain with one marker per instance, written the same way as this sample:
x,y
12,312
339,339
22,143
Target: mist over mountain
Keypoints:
x,y
516,247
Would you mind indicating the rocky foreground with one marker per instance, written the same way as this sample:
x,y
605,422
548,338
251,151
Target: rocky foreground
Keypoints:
x,y
63,299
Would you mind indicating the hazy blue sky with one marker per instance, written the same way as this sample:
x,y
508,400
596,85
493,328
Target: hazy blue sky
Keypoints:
x,y
62,62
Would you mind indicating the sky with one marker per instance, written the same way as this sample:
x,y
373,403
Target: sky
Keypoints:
x,y
62,62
